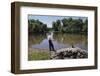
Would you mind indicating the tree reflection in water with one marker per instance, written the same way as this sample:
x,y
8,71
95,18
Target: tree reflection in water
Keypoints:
x,y
64,39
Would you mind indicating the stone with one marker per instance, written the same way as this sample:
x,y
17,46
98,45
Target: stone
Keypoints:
x,y
69,53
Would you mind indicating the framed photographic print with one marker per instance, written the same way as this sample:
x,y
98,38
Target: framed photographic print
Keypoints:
x,y
52,37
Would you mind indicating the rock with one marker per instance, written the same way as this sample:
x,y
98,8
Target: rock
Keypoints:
x,y
69,53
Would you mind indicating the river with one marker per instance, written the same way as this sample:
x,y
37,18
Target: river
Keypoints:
x,y
40,41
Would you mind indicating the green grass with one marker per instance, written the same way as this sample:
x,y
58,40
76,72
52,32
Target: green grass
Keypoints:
x,y
38,55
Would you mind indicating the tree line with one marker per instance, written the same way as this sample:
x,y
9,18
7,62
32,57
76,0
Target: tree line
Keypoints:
x,y
36,26
65,25
71,25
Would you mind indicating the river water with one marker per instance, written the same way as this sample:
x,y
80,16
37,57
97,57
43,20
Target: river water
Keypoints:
x,y
40,41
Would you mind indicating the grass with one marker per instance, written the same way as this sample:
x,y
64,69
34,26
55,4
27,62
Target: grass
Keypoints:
x,y
38,55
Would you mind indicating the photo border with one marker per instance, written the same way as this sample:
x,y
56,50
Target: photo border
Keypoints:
x,y
15,36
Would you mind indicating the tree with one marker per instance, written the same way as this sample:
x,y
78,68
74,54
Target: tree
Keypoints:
x,y
57,25
67,25
44,28
85,26
72,25
65,22
36,26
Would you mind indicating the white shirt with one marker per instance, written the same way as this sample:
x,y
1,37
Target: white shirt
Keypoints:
x,y
50,37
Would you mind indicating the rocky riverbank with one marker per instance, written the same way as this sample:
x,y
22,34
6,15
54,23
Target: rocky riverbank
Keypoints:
x,y
64,53
69,53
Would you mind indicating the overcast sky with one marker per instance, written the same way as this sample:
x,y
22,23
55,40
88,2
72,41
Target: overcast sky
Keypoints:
x,y
47,19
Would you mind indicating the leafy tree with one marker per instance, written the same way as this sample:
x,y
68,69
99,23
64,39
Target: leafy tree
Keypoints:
x,y
57,25
36,26
66,25
85,27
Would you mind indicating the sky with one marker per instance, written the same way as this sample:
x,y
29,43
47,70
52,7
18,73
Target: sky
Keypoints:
x,y
47,19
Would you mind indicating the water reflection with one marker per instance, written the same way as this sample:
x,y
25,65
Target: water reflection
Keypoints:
x,y
40,41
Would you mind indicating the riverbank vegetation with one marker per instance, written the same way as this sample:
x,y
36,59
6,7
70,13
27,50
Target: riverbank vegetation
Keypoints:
x,y
37,54
65,25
